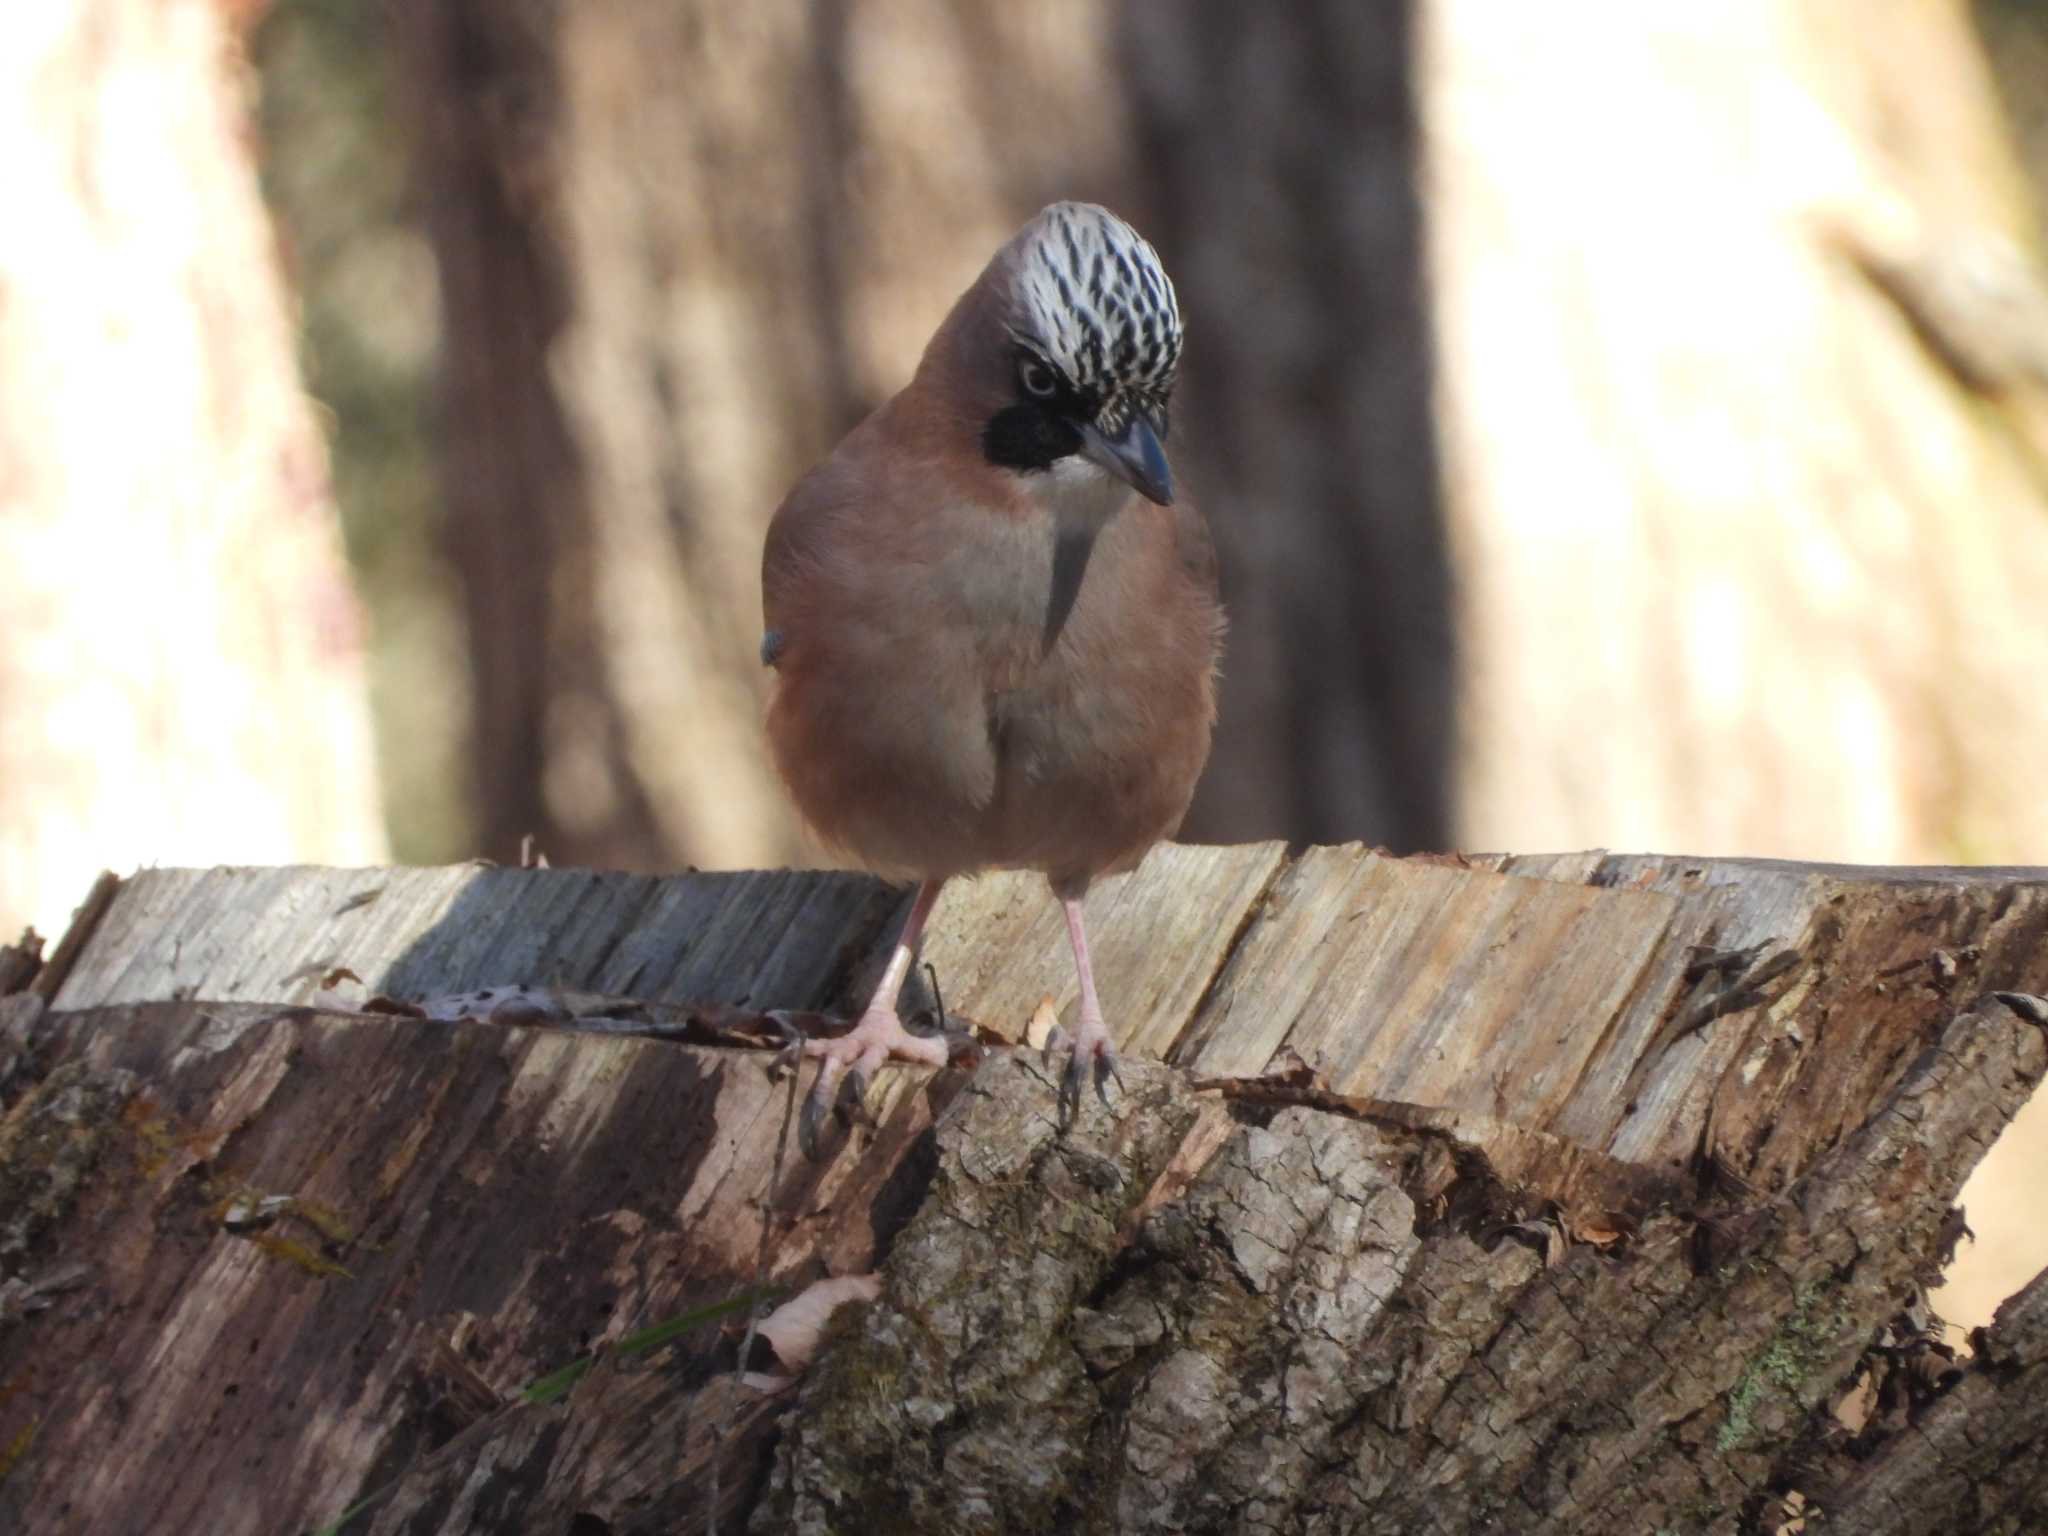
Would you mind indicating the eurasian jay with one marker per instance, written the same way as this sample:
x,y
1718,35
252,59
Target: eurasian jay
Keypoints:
x,y
993,626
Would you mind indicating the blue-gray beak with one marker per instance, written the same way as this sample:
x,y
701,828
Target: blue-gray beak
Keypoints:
x,y
1135,457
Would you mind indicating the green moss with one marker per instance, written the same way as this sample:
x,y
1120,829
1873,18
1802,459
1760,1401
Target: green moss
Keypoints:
x,y
324,1219
156,1138
50,1145
300,1255
1804,1342
12,1452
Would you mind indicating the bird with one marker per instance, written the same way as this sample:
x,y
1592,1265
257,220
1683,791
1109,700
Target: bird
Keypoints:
x,y
993,621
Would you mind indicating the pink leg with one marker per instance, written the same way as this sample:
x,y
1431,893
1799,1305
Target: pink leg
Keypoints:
x,y
1092,1049
879,1036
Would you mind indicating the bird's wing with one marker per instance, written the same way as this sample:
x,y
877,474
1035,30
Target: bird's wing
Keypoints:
x,y
799,538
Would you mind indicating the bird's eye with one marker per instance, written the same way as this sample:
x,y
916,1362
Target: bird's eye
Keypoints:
x,y
1037,377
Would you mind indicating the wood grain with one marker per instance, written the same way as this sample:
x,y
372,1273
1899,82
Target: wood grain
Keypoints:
x,y
532,1192
1157,935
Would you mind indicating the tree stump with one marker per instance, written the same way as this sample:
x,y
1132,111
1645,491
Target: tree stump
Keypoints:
x,y
1567,1194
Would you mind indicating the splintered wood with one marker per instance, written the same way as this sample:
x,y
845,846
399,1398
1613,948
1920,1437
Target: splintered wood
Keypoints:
x,y
303,1246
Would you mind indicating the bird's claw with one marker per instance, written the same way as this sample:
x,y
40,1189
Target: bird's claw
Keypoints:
x,y
849,1103
790,1054
810,1117
1105,1068
847,1062
1099,1062
853,1100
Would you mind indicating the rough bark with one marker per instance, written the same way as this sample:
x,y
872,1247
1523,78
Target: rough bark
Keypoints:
x,y
1325,1333
313,1257
1968,1458
181,674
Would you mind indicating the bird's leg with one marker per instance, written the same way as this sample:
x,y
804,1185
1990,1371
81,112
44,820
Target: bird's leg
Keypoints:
x,y
878,1037
1092,1050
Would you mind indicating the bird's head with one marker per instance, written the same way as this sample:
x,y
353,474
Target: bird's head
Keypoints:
x,y
1086,329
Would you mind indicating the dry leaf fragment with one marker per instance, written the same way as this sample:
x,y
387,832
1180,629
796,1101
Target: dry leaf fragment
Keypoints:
x,y
794,1328
1595,1232
1290,1067
1045,1018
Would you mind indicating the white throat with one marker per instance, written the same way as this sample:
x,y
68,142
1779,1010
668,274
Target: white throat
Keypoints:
x,y
1076,489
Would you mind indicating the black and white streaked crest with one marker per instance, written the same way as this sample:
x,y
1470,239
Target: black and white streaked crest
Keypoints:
x,y
1093,300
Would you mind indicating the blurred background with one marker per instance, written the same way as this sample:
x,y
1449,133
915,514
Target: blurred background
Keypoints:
x,y
1623,426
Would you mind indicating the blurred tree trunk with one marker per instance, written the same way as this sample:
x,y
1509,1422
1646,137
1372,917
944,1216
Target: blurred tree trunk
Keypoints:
x,y
181,678
1713,342
486,94
1741,349
746,284
664,303
1275,164
741,286
1702,348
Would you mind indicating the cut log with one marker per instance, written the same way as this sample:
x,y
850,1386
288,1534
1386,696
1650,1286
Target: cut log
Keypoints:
x,y
1554,1195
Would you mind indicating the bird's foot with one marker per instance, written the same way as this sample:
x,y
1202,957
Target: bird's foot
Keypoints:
x,y
846,1063
1093,1055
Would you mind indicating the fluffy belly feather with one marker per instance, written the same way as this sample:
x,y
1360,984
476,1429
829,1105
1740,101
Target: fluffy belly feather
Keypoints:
x,y
1071,780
